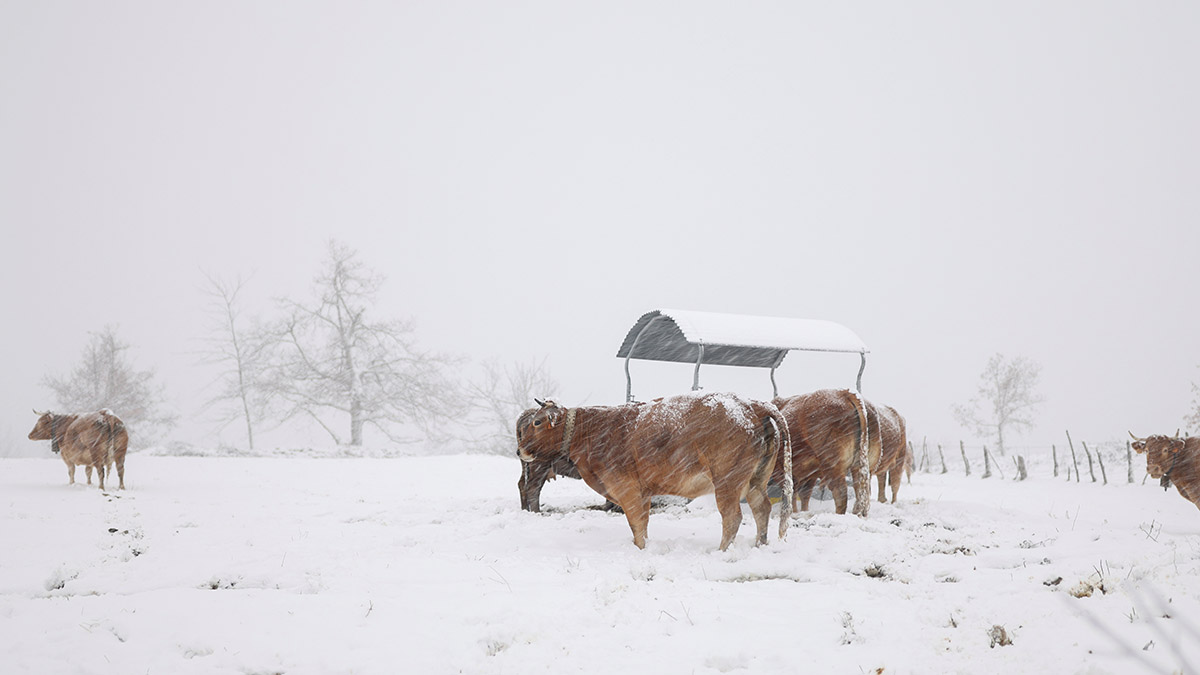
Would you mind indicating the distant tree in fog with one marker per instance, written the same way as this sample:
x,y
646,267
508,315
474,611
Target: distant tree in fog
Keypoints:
x,y
1007,399
106,378
241,353
333,359
502,394
1192,419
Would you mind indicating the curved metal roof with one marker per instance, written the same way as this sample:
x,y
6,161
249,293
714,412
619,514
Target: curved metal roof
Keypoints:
x,y
685,336
732,339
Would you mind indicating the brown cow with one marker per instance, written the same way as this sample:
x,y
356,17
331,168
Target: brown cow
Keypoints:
x,y
1173,460
687,445
93,440
887,430
829,434
535,474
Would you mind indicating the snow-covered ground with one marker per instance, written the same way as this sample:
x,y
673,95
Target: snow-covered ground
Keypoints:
x,y
426,565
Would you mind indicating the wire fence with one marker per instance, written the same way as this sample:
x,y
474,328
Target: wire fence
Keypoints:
x,y
1074,459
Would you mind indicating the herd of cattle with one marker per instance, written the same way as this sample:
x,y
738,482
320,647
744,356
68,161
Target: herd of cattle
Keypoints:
x,y
697,444
719,443
688,445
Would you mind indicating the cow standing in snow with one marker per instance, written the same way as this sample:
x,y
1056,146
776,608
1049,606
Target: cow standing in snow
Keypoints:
x,y
95,440
830,439
887,430
687,445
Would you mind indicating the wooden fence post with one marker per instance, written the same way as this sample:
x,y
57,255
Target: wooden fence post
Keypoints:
x,y
998,466
1129,459
1103,473
966,463
1054,455
1074,459
1021,475
987,464
1091,467
942,455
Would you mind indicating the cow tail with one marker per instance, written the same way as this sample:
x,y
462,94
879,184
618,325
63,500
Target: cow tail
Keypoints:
x,y
783,444
112,444
861,469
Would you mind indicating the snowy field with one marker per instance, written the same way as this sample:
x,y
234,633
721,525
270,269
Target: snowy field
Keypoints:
x,y
426,565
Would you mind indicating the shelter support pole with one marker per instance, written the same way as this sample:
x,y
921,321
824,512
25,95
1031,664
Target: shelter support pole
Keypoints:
x,y
628,381
861,368
632,348
696,374
774,387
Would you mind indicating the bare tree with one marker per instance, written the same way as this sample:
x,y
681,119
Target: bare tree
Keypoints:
x,y
1007,399
502,394
241,352
334,359
106,378
1191,421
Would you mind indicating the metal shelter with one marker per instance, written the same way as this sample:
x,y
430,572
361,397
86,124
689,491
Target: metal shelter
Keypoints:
x,y
684,336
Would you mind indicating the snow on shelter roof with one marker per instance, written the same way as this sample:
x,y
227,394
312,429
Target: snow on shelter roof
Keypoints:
x,y
732,339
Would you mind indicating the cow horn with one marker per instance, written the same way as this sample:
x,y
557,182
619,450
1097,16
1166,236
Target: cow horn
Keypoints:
x,y
540,402
39,414
1135,437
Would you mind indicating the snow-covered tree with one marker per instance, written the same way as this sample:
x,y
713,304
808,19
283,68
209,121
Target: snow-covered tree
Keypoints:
x,y
241,353
333,360
1007,399
106,378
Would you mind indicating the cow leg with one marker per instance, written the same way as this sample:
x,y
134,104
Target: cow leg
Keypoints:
x,y
71,473
637,511
760,506
894,477
882,486
838,488
100,474
729,504
87,470
804,489
120,473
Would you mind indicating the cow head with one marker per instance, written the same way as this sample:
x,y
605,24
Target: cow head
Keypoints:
x,y
44,429
1161,452
540,432
47,429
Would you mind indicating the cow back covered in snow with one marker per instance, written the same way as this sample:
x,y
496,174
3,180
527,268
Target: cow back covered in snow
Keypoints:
x,y
95,440
1173,460
830,439
688,445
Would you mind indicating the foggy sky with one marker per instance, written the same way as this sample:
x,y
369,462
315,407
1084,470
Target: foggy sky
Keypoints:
x,y
948,181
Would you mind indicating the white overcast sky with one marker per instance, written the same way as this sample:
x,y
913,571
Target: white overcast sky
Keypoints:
x,y
949,180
